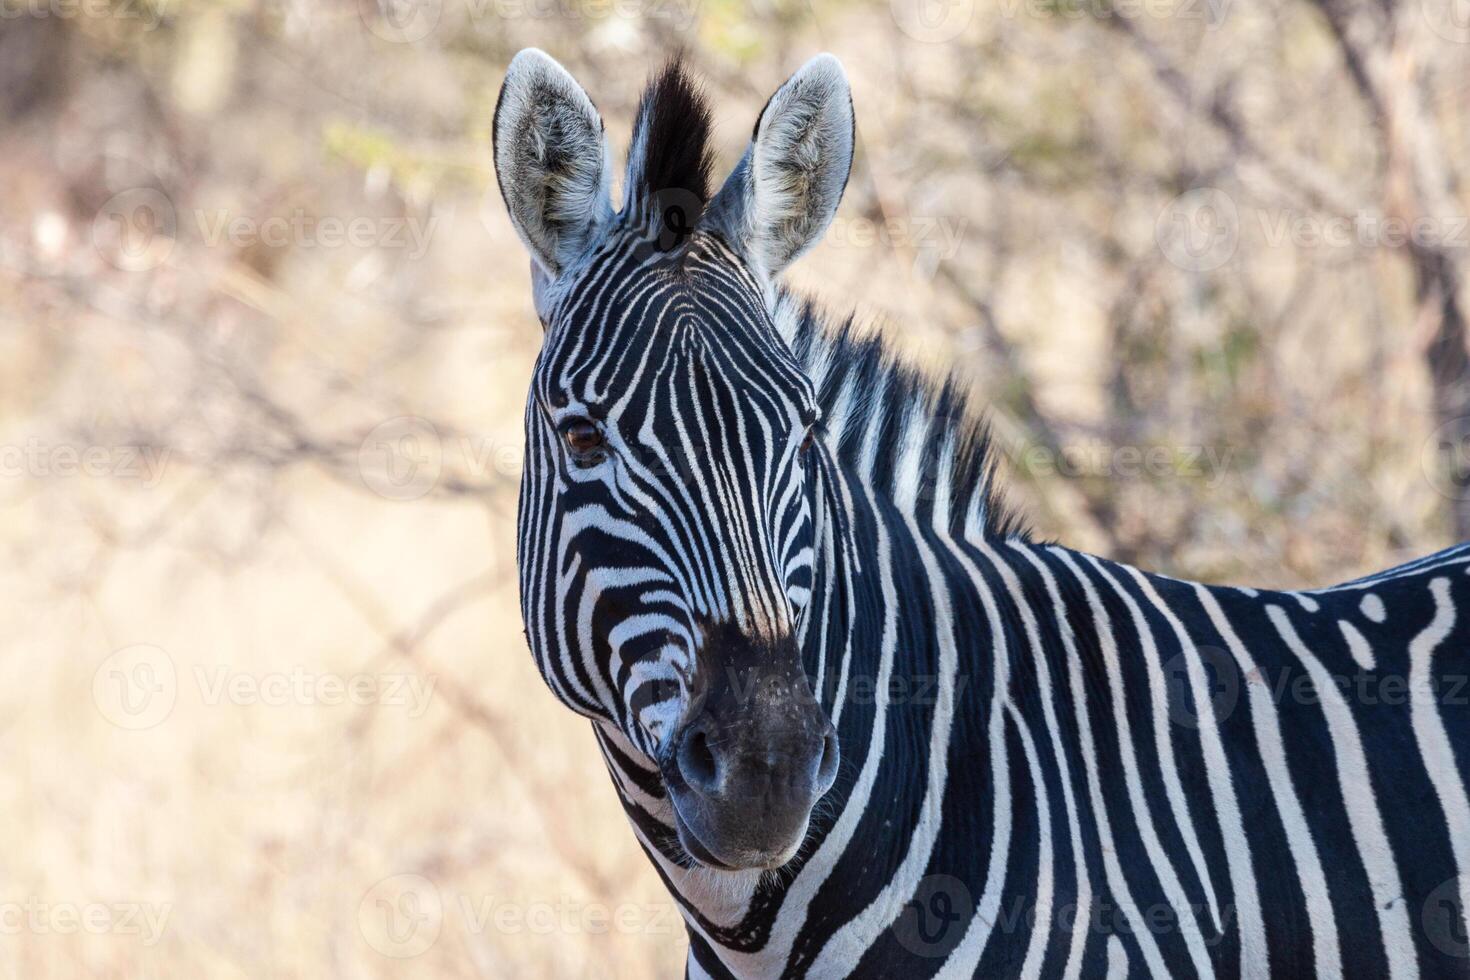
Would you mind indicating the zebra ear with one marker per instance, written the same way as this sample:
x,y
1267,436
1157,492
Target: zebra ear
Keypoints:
x,y
784,192
552,160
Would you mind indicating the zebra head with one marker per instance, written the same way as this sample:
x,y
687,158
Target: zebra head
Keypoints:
x,y
671,503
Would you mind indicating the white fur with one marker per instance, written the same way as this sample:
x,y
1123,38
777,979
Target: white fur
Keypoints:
x,y
1358,646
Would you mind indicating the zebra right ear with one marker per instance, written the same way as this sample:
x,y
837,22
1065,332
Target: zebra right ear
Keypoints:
x,y
552,160
784,192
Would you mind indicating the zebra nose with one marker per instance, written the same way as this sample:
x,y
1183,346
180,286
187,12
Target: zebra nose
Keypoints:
x,y
698,764
794,762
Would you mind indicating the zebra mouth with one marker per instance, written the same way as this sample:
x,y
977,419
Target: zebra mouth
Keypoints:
x,y
695,848
748,859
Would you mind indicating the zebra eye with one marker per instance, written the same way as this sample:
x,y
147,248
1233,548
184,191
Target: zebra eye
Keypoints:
x,y
811,433
582,436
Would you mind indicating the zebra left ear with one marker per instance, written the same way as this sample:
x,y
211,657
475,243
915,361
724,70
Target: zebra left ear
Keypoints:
x,y
784,192
551,160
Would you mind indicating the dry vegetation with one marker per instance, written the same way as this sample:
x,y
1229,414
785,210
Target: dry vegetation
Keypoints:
x,y
265,339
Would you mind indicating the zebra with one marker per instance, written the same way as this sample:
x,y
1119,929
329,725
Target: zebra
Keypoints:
x,y
860,719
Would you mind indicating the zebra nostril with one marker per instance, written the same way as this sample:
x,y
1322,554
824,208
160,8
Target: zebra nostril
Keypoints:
x,y
827,765
697,763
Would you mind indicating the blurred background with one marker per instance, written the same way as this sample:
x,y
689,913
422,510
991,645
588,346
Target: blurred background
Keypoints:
x,y
265,331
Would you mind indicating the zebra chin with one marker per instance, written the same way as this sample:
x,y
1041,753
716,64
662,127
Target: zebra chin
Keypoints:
x,y
742,857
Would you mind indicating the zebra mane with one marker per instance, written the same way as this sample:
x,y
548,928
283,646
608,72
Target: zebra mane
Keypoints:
x,y
669,156
933,449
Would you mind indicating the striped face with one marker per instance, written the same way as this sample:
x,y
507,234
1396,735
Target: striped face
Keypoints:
x,y
671,487
666,499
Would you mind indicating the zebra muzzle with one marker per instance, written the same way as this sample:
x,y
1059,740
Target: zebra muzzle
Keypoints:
x,y
751,759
